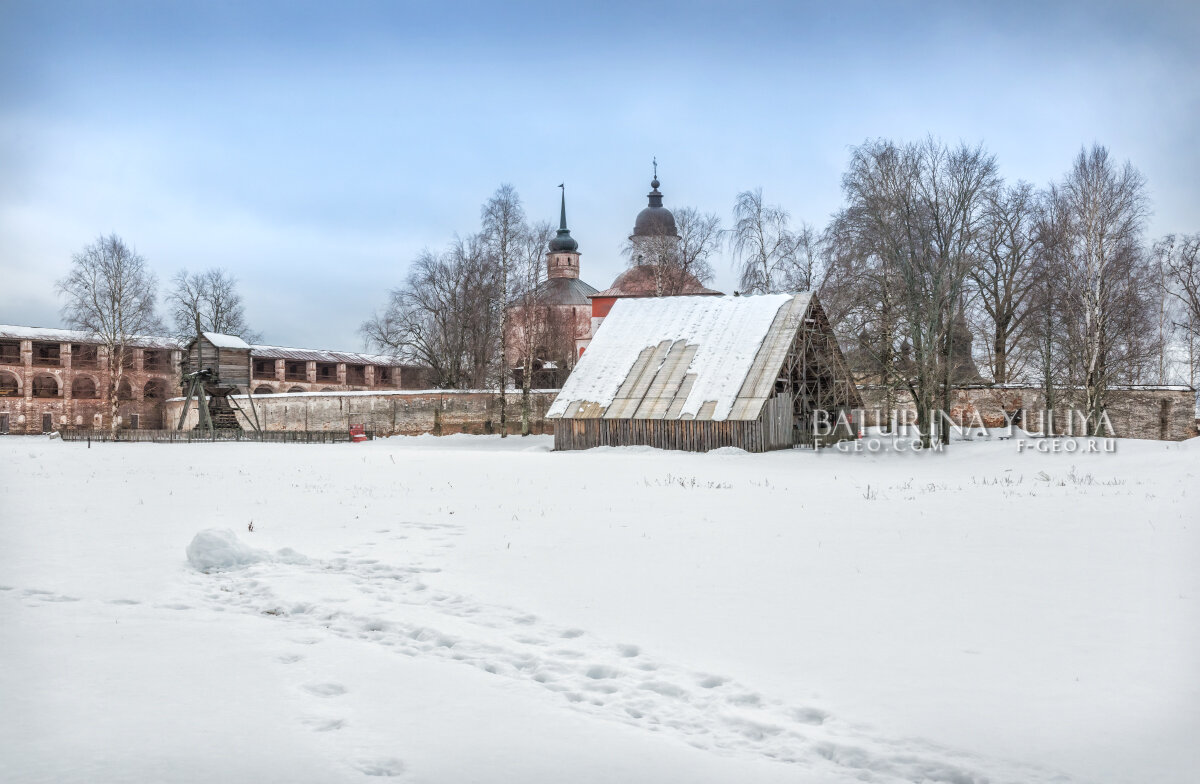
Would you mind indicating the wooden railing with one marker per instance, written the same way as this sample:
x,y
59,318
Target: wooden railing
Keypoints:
x,y
201,436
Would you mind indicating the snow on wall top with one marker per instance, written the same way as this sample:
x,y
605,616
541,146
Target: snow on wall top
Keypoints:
x,y
225,341
721,337
323,355
14,332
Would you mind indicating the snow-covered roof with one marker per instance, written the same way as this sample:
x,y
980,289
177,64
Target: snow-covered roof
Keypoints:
x,y
322,355
14,332
697,357
225,341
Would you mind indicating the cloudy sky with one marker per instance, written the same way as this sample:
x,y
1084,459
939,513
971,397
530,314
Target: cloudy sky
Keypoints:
x,y
314,149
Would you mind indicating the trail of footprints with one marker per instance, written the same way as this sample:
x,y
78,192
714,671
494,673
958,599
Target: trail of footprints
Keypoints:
x,y
613,681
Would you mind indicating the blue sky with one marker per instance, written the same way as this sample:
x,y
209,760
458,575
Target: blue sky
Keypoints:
x,y
314,149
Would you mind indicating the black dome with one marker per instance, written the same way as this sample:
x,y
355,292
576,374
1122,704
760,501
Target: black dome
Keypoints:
x,y
656,220
564,242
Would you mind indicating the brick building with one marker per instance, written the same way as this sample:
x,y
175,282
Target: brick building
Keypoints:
x,y
566,311
57,378
51,379
559,314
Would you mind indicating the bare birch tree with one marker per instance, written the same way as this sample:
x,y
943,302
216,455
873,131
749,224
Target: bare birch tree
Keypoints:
x,y
210,299
1178,258
531,323
110,293
1103,208
675,262
763,244
503,233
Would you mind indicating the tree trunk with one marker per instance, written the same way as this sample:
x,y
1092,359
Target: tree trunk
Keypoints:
x,y
1000,346
526,382
115,368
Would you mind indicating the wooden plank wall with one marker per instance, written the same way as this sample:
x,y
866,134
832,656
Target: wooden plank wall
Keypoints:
x,y
233,366
691,435
778,421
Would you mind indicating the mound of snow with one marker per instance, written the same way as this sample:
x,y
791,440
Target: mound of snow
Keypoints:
x,y
728,450
220,548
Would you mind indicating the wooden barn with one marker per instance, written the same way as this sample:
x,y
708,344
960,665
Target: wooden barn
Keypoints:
x,y
699,373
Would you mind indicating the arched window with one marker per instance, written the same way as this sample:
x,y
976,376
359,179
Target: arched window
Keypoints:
x,y
83,388
296,389
45,386
155,389
8,385
124,390
264,391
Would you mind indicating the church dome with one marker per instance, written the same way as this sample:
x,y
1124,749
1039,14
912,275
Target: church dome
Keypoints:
x,y
564,242
650,280
656,220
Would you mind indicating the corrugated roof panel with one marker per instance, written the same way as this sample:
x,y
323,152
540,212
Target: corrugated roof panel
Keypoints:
x,y
622,408
635,373
664,389
649,371
582,409
747,408
707,410
685,388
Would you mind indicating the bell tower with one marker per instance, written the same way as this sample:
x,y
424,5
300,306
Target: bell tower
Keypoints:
x,y
562,261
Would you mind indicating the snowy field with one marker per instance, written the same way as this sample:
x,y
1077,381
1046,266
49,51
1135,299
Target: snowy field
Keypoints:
x,y
468,609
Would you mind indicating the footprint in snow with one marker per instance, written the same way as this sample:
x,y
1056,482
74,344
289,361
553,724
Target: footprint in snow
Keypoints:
x,y
386,766
325,689
324,724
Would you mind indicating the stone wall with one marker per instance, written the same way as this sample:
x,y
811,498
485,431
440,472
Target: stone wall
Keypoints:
x,y
440,412
1163,413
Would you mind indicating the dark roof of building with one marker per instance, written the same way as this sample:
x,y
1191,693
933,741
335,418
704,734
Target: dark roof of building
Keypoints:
x,y
564,291
656,220
643,281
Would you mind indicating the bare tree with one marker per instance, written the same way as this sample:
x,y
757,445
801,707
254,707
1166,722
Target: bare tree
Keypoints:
x,y
912,215
503,233
1003,276
676,261
444,316
1103,209
858,292
763,243
1179,261
531,323
210,299
1047,313
111,293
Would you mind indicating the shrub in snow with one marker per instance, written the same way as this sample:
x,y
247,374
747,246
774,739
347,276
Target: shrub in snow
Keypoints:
x,y
219,548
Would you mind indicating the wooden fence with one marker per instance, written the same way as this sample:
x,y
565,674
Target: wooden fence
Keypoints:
x,y
201,436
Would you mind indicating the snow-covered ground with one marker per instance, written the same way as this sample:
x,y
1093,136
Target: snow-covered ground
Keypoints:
x,y
470,609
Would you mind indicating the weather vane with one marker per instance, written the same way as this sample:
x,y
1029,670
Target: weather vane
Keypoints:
x,y
655,160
